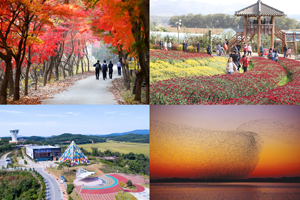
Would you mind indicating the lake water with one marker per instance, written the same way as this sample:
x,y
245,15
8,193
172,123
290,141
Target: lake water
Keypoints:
x,y
226,191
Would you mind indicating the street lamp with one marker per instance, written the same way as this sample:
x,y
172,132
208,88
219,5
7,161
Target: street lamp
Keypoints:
x,y
178,28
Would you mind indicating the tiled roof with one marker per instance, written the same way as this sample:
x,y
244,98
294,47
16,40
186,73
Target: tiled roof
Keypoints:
x,y
259,9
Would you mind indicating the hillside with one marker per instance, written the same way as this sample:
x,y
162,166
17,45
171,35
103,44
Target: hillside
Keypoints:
x,y
132,138
66,138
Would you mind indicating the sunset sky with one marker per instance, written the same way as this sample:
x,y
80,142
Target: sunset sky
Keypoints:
x,y
224,141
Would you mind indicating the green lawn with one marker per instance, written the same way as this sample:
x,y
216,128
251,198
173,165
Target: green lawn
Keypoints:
x,y
122,147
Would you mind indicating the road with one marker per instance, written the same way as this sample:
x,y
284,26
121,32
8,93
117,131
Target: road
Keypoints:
x,y
88,91
2,160
53,189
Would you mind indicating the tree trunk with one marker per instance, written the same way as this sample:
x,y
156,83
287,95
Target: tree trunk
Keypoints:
x,y
82,66
138,86
27,71
11,87
45,73
88,61
4,85
36,79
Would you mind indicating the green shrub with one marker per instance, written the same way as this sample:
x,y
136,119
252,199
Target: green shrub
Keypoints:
x,y
70,188
129,183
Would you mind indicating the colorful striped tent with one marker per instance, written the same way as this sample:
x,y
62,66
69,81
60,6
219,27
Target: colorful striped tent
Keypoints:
x,y
74,154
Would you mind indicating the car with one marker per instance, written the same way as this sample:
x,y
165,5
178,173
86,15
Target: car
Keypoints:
x,y
8,161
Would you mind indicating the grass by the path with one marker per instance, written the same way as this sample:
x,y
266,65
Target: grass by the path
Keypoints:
x,y
123,96
122,147
124,195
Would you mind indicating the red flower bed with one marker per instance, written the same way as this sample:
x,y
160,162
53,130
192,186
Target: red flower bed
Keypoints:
x,y
288,94
220,89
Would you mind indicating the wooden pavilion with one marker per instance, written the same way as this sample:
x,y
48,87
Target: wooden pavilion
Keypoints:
x,y
260,25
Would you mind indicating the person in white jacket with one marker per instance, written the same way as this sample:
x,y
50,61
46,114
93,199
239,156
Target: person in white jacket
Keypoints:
x,y
169,45
231,67
249,49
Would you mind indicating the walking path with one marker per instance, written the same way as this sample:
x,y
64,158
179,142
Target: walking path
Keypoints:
x,y
88,91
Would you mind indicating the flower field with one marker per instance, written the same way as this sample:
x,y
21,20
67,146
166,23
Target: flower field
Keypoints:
x,y
257,86
172,64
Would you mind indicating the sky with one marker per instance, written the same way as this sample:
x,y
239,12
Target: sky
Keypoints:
x,y
47,120
290,7
224,141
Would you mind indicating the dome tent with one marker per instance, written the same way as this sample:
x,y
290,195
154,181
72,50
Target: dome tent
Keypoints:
x,y
74,154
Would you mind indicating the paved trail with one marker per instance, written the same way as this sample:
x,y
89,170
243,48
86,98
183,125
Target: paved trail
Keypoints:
x,y
87,91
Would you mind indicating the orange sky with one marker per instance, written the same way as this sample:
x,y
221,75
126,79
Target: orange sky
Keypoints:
x,y
224,141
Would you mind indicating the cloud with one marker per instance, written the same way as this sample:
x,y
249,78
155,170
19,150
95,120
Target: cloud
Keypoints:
x,y
11,111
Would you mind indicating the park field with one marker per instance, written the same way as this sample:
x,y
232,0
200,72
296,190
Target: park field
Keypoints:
x,y
122,147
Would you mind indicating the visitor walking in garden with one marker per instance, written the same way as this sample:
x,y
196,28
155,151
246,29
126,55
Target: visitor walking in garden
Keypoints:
x,y
249,49
161,44
209,49
245,48
245,62
119,68
97,69
284,50
261,51
288,52
198,46
236,59
270,55
165,46
276,56
225,48
217,49
110,69
169,45
104,70
231,67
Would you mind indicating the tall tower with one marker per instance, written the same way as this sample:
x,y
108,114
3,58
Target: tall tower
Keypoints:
x,y
14,135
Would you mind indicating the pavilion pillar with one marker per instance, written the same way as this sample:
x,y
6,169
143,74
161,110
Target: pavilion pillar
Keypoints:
x,y
259,36
273,31
245,32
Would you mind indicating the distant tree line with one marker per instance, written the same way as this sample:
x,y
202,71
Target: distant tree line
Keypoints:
x,y
227,21
132,138
66,138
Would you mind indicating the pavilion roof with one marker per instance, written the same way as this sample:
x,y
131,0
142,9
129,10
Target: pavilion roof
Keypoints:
x,y
259,9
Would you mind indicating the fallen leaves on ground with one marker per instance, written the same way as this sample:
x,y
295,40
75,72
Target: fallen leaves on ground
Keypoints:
x,y
48,91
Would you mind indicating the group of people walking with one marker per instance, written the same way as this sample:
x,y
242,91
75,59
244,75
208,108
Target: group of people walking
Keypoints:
x,y
165,45
106,67
235,62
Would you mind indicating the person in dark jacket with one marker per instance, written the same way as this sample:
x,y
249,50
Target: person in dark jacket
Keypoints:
x,y
97,69
198,46
104,70
110,69
161,44
235,59
209,49
284,50
261,51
